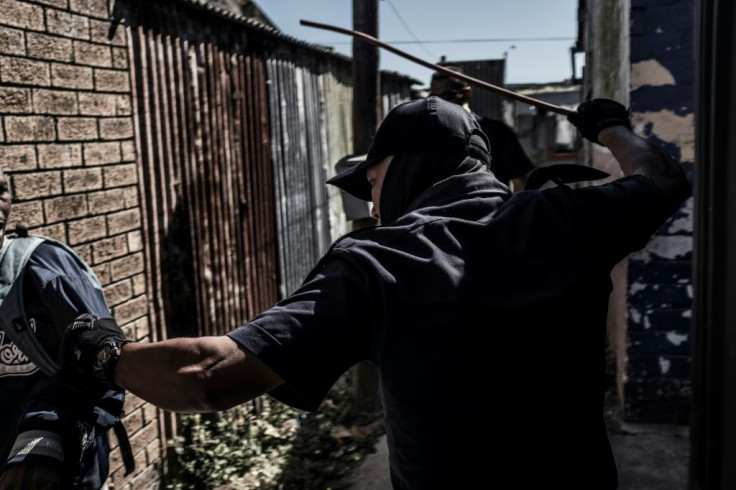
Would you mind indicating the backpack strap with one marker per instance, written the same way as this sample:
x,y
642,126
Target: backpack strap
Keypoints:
x,y
14,257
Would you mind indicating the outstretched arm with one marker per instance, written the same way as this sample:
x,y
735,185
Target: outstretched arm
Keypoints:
x,y
193,374
202,374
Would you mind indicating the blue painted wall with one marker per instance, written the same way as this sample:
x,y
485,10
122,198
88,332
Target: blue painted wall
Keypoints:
x,y
657,387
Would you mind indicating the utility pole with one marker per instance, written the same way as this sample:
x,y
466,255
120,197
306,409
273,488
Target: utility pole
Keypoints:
x,y
366,98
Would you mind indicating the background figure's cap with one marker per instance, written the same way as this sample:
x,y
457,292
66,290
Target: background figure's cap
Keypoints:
x,y
428,125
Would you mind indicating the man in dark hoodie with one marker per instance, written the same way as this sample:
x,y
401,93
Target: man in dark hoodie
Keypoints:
x,y
485,313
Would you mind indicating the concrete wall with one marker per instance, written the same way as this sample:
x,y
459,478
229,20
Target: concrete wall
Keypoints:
x,y
66,141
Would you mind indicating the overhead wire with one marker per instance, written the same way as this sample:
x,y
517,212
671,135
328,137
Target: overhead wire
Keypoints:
x,y
408,29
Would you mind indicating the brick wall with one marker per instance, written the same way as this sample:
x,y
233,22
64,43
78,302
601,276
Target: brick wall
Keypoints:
x,y
660,287
66,141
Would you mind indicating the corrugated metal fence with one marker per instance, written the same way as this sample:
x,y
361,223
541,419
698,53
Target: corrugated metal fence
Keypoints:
x,y
237,128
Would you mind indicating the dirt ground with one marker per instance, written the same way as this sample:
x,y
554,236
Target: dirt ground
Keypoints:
x,y
648,457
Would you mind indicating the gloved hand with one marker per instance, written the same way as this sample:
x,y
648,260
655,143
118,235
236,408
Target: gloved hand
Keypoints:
x,y
91,347
595,115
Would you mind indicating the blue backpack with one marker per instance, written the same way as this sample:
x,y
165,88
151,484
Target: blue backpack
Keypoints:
x,y
80,414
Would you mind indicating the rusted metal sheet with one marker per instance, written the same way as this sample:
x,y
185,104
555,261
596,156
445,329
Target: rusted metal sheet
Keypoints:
x,y
238,127
205,168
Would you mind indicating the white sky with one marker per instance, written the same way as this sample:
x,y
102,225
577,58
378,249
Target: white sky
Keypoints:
x,y
432,20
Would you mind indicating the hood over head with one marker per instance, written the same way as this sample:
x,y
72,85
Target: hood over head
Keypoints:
x,y
427,134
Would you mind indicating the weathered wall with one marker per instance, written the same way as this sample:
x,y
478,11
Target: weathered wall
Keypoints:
x,y
640,52
66,140
660,288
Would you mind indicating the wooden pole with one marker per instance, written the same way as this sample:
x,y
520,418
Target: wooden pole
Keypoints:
x,y
366,103
460,76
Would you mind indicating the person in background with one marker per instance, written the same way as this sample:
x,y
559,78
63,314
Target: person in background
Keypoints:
x,y
509,161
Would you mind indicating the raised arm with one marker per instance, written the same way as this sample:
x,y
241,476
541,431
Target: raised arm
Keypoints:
x,y
606,122
638,156
185,375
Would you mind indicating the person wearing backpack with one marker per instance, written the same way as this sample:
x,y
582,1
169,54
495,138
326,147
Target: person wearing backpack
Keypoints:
x,y
54,428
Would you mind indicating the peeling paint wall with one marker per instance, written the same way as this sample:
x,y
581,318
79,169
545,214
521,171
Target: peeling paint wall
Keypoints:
x,y
657,383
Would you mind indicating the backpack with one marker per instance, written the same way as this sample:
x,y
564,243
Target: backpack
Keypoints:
x,y
14,256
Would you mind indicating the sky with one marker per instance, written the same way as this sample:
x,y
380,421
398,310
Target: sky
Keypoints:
x,y
429,21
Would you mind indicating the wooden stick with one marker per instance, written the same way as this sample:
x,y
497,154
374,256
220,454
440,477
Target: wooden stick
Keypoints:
x,y
460,76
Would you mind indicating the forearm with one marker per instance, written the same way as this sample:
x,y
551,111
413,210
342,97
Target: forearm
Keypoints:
x,y
638,156
193,374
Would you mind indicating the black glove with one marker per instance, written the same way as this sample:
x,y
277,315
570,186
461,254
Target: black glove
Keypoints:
x,y
595,115
91,347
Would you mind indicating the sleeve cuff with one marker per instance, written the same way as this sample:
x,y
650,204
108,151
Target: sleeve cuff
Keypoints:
x,y
37,443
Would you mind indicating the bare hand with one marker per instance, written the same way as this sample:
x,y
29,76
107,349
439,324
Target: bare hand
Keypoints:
x,y
30,476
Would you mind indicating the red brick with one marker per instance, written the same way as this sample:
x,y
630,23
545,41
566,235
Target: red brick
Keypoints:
x,y
12,41
53,3
84,252
140,439
135,241
14,158
87,179
91,8
54,102
29,128
60,156
120,58
21,14
154,451
119,292
15,100
106,201
116,128
70,76
92,54
66,24
29,214
150,413
133,309
127,220
142,329
109,248
131,403
24,72
77,128
100,31
56,232
93,104
45,47
112,80
124,105
36,185
65,208
120,175
133,421
127,266
85,230
129,152
102,272
102,153
139,284
130,196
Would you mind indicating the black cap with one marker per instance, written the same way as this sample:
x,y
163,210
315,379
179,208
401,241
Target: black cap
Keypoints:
x,y
428,125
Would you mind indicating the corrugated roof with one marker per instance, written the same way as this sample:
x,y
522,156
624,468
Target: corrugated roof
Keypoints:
x,y
261,27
